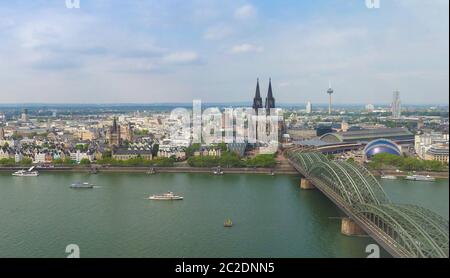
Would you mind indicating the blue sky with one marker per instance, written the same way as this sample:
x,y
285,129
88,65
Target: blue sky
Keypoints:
x,y
178,50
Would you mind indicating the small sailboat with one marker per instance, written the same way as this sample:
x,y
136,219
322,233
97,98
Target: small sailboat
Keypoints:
x,y
228,223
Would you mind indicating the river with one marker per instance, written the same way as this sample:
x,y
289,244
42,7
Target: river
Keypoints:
x,y
272,216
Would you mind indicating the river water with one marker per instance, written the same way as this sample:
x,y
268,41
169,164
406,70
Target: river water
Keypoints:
x,y
272,216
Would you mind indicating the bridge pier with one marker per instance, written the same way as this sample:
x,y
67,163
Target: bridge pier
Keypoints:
x,y
306,184
350,228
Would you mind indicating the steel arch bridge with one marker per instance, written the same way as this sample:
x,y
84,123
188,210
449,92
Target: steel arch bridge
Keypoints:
x,y
404,230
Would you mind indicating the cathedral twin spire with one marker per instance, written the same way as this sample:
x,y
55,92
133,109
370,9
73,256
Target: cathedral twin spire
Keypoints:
x,y
270,100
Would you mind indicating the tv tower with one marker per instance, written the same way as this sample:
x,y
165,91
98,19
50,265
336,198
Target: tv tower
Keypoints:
x,y
329,92
396,105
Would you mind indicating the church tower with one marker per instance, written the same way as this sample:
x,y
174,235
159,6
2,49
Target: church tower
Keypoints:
x,y
270,100
257,100
114,134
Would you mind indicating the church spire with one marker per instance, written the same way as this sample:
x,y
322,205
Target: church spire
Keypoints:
x,y
270,100
258,93
114,126
257,101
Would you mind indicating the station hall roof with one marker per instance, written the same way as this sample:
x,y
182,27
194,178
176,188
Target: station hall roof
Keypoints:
x,y
368,135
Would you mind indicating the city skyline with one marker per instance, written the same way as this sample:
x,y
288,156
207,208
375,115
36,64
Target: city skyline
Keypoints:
x,y
181,129
109,52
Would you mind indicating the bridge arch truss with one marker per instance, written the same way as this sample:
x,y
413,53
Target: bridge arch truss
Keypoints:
x,y
418,231
411,230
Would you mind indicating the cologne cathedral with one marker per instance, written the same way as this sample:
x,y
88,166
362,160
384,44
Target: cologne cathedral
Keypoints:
x,y
268,105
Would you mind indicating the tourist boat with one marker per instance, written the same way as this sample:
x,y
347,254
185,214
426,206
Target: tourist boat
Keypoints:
x,y
218,171
228,223
151,172
388,177
169,196
420,178
27,173
81,185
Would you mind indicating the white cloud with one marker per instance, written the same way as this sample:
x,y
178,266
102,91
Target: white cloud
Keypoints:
x,y
181,57
245,12
218,32
284,84
245,48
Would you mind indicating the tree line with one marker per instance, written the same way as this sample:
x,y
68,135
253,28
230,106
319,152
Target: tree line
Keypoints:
x,y
386,160
232,160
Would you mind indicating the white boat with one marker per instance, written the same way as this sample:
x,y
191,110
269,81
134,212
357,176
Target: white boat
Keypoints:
x,y
389,177
420,178
26,173
169,196
218,171
81,185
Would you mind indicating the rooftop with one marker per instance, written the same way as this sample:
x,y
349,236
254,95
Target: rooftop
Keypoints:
x,y
366,134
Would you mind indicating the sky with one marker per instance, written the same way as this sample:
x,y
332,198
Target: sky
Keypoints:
x,y
146,51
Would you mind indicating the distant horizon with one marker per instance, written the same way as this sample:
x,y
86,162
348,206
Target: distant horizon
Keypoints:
x,y
248,103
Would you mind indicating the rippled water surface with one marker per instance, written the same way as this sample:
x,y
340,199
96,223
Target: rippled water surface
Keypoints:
x,y
272,217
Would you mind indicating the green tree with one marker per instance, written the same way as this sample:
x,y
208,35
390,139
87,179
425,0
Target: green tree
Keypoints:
x,y
138,162
68,161
229,160
82,147
7,162
192,149
16,136
58,161
163,162
330,156
107,154
222,146
26,161
404,163
141,132
85,161
261,161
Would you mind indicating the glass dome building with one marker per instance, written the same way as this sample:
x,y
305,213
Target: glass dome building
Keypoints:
x,y
382,146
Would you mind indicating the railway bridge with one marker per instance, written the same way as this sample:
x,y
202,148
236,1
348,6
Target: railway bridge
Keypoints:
x,y
403,230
